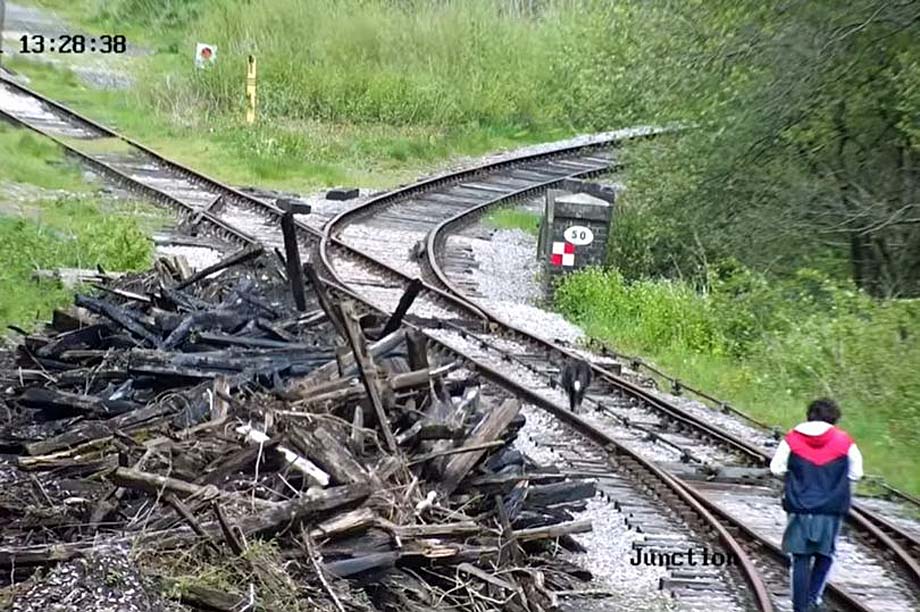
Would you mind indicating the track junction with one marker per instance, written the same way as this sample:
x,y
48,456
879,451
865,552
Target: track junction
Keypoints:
x,y
654,458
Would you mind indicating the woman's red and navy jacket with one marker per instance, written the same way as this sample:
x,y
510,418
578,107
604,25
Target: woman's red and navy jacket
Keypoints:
x,y
819,461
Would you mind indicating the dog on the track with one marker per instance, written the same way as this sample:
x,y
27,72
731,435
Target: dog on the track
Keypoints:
x,y
576,377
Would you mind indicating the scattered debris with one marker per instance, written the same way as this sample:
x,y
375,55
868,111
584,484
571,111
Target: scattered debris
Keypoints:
x,y
71,277
209,426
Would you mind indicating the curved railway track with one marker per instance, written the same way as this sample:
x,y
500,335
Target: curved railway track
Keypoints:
x,y
462,325
901,540
374,227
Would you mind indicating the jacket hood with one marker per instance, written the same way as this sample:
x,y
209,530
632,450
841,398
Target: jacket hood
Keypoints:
x,y
815,433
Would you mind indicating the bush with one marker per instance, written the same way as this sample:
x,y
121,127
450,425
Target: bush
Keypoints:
x,y
71,232
480,63
769,346
660,314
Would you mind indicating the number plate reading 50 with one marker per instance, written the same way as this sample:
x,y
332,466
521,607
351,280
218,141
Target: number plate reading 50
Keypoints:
x,y
578,235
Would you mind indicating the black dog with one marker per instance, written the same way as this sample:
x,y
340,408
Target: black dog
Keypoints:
x,y
576,377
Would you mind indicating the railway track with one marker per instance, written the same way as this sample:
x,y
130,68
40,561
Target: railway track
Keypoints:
x,y
425,215
221,211
751,441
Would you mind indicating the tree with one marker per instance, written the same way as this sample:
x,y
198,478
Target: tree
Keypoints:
x,y
808,141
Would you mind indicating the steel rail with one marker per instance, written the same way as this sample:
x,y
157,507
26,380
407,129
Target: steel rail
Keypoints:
x,y
229,231
878,527
675,413
308,232
748,570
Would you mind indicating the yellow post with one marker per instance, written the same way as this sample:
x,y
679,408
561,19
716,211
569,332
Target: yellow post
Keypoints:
x,y
251,91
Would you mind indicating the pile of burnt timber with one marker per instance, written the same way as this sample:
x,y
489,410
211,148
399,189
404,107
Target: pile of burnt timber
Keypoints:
x,y
201,420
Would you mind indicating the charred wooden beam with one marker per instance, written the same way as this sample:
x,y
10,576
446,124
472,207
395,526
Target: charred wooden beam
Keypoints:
x,y
469,448
98,431
292,260
71,318
558,493
405,303
488,429
325,302
313,502
276,330
122,317
91,336
236,461
374,561
220,339
553,531
327,451
154,484
62,403
367,372
423,430
223,319
229,531
241,256
355,520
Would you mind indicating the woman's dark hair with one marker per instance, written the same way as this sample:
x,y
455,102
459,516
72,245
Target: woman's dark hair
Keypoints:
x,y
824,409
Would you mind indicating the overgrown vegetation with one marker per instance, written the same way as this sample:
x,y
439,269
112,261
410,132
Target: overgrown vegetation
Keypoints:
x,y
806,128
800,153
50,219
29,159
807,149
67,232
771,347
260,565
514,218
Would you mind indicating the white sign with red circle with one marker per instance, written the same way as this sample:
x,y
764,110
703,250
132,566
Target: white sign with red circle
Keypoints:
x,y
205,54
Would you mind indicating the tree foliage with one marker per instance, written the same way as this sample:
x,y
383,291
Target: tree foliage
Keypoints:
x,y
807,149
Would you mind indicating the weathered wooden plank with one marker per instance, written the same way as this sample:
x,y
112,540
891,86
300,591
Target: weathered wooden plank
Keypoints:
x,y
155,484
62,403
120,316
314,501
236,461
292,260
367,372
488,429
328,451
98,430
553,531
558,493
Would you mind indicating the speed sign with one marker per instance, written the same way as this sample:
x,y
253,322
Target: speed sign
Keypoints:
x,y
578,235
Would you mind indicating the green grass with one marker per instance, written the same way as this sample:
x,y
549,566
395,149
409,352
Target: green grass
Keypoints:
x,y
50,218
769,348
296,154
514,218
479,63
32,160
74,232
366,92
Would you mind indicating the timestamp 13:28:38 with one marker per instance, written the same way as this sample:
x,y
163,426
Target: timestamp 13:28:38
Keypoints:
x,y
73,43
